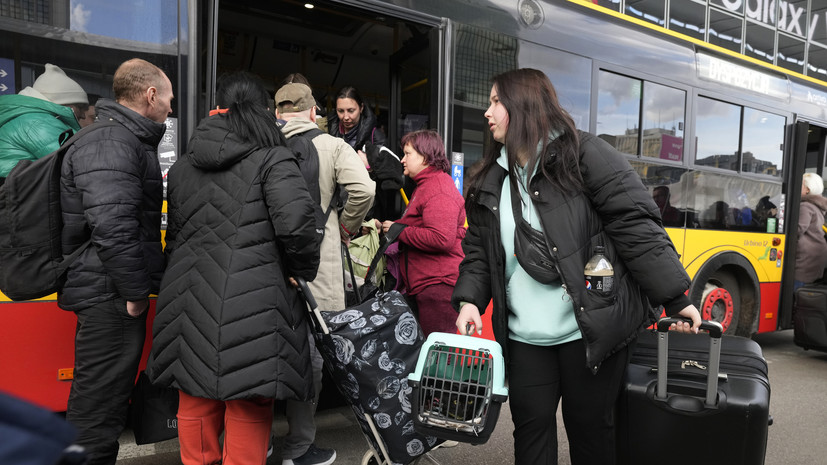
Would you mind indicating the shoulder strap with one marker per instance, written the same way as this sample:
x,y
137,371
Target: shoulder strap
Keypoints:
x,y
64,265
311,134
390,237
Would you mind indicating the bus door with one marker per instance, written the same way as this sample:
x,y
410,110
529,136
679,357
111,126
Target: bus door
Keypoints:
x,y
807,155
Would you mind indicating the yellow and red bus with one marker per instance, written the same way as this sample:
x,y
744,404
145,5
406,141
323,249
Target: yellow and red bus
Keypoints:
x,y
719,105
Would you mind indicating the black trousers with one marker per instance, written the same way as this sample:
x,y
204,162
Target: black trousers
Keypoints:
x,y
538,377
108,347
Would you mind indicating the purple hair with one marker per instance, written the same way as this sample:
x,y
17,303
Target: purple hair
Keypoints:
x,y
429,144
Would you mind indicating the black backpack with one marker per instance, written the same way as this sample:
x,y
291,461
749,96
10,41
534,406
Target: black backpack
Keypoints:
x,y
302,145
32,264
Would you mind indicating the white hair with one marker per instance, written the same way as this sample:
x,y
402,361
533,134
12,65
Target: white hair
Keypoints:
x,y
814,183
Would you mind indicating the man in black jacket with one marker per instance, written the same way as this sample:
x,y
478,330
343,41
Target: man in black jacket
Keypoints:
x,y
111,195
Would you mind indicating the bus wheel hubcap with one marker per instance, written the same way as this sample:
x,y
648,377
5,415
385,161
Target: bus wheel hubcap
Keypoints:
x,y
718,307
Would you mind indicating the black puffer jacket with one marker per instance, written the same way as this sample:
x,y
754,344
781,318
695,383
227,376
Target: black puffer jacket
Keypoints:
x,y
228,325
111,190
615,210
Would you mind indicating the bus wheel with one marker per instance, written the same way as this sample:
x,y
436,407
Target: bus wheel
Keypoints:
x,y
721,301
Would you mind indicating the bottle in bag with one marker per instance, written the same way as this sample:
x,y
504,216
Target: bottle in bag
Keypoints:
x,y
599,272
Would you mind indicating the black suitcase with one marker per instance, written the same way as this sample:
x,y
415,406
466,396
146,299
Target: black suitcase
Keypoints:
x,y
369,350
810,317
690,399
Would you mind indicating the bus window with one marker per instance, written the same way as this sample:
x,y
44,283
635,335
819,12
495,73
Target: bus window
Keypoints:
x,y
762,142
618,111
731,202
717,128
570,74
663,116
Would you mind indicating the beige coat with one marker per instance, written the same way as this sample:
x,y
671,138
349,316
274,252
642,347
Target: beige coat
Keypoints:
x,y
338,163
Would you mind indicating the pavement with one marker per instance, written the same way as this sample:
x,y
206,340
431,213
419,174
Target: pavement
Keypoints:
x,y
337,428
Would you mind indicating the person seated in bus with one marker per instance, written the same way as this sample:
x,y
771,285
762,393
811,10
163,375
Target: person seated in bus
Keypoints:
x,y
811,252
671,216
560,339
764,210
718,216
32,120
357,125
230,333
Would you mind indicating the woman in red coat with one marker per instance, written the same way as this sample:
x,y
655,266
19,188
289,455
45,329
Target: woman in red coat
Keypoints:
x,y
435,220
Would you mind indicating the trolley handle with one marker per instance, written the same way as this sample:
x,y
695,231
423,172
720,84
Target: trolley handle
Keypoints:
x,y
313,307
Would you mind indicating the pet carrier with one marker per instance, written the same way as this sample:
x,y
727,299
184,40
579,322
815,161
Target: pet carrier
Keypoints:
x,y
458,387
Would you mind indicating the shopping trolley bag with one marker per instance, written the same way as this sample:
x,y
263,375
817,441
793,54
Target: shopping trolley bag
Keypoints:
x,y
458,387
713,390
369,350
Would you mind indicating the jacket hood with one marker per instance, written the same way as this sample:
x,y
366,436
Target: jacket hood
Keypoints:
x,y
12,106
147,131
817,200
297,126
214,147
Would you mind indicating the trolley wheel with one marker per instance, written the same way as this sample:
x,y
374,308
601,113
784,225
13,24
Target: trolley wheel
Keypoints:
x,y
721,301
370,458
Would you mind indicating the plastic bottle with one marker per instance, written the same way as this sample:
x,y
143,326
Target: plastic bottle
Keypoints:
x,y
599,272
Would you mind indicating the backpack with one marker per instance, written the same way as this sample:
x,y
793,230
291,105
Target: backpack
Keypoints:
x,y
32,264
302,145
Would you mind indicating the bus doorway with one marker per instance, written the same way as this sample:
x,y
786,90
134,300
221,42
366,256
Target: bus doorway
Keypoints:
x,y
808,156
386,56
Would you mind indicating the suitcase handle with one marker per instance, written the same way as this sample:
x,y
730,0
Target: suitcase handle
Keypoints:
x,y
313,307
715,331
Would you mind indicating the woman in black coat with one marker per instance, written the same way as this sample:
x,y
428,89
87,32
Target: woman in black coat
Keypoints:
x,y
230,332
560,339
356,124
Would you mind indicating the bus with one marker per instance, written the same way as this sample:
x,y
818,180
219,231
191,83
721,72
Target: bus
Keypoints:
x,y
720,106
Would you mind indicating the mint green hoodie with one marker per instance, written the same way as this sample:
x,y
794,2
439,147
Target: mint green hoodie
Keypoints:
x,y
29,129
541,314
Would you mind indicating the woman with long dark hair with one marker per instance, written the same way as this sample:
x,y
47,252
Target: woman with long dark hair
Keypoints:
x,y
230,332
545,196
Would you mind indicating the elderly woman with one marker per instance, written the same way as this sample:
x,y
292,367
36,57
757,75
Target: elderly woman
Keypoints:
x,y
430,245
811,253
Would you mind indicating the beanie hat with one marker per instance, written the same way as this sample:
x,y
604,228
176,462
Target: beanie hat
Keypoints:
x,y
59,88
814,183
294,98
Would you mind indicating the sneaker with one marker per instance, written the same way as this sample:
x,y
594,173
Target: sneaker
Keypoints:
x,y
313,456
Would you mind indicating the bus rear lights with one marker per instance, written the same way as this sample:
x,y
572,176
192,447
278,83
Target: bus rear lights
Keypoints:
x,y
65,374
776,241
778,256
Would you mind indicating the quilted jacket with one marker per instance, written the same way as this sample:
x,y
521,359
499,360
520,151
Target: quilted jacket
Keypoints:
x,y
614,210
29,129
111,190
228,323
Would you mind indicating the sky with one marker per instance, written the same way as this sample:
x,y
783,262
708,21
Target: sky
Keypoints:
x,y
153,21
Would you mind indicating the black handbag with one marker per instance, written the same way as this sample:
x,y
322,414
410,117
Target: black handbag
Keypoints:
x,y
153,412
530,246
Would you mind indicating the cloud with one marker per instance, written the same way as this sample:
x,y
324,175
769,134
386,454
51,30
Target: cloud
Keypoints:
x,y
80,17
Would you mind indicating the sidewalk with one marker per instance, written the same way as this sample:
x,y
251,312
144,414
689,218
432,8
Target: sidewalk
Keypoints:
x,y
337,428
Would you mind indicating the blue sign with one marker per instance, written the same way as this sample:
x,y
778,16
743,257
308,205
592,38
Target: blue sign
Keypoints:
x,y
7,76
456,174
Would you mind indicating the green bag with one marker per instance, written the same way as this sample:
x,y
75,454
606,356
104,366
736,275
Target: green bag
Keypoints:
x,y
359,256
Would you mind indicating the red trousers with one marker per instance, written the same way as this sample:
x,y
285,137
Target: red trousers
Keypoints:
x,y
245,423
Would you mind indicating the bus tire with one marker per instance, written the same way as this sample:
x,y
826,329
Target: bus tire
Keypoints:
x,y
726,290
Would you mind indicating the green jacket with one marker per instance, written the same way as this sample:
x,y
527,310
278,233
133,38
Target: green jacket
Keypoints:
x,y
29,129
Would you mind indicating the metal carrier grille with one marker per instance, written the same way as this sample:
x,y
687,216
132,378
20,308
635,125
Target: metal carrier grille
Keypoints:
x,y
456,389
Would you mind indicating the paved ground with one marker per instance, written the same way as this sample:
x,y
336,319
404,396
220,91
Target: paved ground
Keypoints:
x,y
798,406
